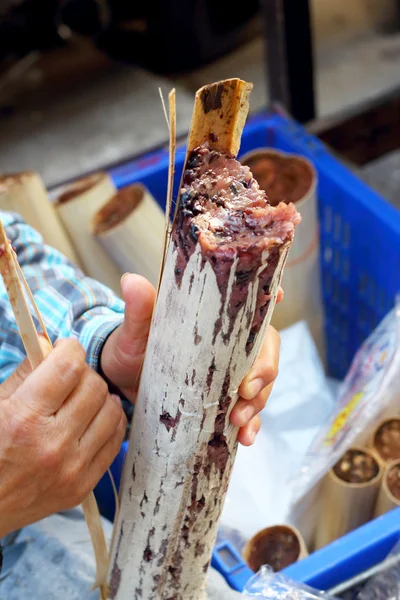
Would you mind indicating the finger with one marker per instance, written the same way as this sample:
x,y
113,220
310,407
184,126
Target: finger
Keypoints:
x,y
106,455
280,295
102,427
247,434
46,388
83,404
8,387
124,355
245,410
265,368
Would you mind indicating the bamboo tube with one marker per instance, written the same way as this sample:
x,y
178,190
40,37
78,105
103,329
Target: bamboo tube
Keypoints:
x,y
76,206
201,344
293,178
25,194
131,229
389,493
349,495
385,440
278,546
11,274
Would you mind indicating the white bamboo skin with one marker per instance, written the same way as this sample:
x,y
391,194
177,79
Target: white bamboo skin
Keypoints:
x,y
170,469
301,279
345,506
25,194
136,243
303,552
373,445
87,196
386,500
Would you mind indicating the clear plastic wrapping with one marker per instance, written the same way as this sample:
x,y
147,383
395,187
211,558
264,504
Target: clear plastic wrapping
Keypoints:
x,y
275,586
370,387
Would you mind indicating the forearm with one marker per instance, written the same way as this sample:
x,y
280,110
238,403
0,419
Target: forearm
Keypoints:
x,y
71,304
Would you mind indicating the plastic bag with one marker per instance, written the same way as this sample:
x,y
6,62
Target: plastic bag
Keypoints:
x,y
269,585
370,386
385,585
300,402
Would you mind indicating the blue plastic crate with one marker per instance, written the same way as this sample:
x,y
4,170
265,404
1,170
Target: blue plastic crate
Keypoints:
x,y
360,264
341,560
359,233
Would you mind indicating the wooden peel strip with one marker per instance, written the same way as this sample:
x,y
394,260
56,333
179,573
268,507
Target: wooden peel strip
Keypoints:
x,y
11,273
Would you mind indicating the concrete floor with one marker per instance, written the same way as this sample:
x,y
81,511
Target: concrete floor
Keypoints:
x,y
75,127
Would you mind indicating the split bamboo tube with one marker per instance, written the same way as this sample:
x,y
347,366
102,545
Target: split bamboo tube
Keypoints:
x,y
389,493
76,206
349,495
24,193
131,229
278,546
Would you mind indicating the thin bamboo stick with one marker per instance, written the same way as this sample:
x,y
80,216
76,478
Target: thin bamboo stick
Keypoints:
x,y
278,546
346,505
36,354
25,194
131,228
389,493
202,343
76,206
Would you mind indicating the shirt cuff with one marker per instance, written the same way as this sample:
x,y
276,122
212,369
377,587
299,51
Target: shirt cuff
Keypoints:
x,y
94,334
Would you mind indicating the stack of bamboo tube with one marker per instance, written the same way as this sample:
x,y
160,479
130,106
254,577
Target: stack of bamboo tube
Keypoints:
x,y
364,484
104,231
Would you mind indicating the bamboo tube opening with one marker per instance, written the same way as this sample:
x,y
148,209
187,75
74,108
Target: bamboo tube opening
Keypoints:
x,y
80,187
386,440
284,177
392,481
356,469
10,179
117,209
278,546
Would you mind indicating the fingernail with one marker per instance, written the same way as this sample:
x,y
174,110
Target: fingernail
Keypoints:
x,y
246,414
254,387
252,436
116,399
123,277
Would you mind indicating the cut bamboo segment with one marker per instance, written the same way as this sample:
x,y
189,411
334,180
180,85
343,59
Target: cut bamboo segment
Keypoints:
x,y
385,440
349,495
293,178
217,293
389,493
131,229
36,352
278,546
76,206
25,194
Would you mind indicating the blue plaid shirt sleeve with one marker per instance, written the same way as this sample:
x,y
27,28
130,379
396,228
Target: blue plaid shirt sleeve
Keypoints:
x,y
71,304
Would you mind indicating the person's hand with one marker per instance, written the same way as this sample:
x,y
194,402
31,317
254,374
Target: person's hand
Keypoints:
x,y
123,353
256,388
60,430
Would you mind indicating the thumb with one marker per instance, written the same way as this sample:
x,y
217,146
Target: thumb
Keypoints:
x,y
122,355
12,383
139,296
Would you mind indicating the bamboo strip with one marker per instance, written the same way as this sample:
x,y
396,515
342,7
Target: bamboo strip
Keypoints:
x,y
36,355
25,194
76,206
131,229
